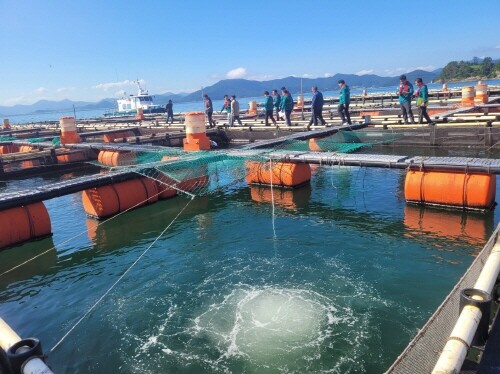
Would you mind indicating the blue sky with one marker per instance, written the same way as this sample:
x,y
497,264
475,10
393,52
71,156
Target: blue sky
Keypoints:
x,y
89,50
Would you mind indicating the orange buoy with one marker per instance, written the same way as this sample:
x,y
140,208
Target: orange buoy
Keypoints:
x,y
140,114
110,138
252,108
69,134
471,191
300,102
481,93
467,96
196,133
11,148
115,158
25,148
30,164
164,185
24,223
282,173
314,146
109,200
72,157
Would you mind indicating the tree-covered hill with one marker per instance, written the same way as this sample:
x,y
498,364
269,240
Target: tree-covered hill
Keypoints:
x,y
477,68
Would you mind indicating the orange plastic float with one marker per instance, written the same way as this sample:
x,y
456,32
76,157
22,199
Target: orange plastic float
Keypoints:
x,y
109,200
314,146
115,158
467,96
11,148
72,157
24,223
30,164
282,174
470,191
69,134
252,108
481,93
196,133
25,148
140,114
110,138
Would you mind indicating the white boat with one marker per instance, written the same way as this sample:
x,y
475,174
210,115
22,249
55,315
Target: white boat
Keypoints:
x,y
129,105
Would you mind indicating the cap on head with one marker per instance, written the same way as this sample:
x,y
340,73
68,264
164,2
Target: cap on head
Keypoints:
x,y
419,80
341,81
402,78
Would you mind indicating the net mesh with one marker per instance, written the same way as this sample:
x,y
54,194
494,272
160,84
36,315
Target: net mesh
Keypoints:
x,y
424,350
199,173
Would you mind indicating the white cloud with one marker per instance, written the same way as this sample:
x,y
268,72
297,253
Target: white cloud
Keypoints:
x,y
264,77
236,73
307,75
497,47
15,100
114,85
41,90
328,75
65,89
120,93
426,68
365,71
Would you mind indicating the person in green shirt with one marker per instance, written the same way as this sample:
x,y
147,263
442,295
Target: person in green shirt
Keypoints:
x,y
344,101
268,106
422,98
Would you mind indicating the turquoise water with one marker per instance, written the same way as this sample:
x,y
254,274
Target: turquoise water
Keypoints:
x,y
338,279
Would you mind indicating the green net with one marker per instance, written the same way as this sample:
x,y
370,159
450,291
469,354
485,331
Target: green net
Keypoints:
x,y
36,140
200,173
6,138
56,141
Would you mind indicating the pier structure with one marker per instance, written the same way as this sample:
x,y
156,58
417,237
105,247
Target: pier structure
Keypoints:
x,y
276,156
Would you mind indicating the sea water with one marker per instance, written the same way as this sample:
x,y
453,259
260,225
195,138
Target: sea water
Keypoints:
x,y
337,278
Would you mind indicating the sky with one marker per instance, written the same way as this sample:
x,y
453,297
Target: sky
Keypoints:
x,y
87,50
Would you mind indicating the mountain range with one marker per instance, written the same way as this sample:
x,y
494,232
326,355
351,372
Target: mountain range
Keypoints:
x,y
238,87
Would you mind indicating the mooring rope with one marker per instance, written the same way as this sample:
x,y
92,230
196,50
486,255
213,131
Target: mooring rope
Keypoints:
x,y
84,232
272,195
120,278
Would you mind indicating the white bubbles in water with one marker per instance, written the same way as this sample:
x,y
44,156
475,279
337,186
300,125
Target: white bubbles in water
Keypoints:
x,y
268,325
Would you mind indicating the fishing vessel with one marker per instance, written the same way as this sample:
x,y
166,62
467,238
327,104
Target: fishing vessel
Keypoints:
x,y
129,105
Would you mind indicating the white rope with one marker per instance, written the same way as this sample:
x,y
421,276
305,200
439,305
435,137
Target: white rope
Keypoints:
x,y
84,232
272,195
120,278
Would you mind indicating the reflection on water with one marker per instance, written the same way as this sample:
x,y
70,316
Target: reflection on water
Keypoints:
x,y
16,255
469,227
286,198
350,276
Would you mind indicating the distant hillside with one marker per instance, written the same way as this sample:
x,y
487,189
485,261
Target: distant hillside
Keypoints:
x,y
477,68
238,87
247,88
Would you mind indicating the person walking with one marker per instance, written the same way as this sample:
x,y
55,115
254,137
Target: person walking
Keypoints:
x,y
286,106
317,107
226,107
405,93
422,99
268,105
170,111
344,101
235,111
277,103
209,110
